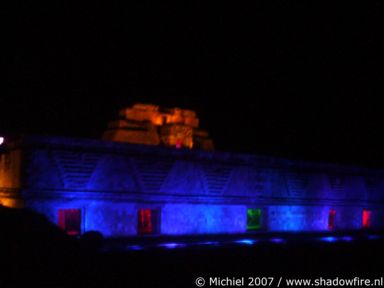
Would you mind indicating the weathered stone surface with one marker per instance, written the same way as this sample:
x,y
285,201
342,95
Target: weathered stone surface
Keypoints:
x,y
194,191
153,125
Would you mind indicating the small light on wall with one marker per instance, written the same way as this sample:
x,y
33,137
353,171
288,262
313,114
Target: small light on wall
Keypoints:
x,y
178,143
1,140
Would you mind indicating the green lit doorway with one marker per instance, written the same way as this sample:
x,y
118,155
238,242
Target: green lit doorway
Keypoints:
x,y
253,219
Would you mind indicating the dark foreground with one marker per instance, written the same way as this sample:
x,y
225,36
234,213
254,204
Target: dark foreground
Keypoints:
x,y
37,254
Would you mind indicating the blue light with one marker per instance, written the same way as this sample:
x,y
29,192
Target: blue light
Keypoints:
x,y
329,239
213,243
347,238
277,240
245,241
135,247
373,237
172,245
297,218
177,219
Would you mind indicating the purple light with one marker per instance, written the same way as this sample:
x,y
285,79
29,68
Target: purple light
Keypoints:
x,y
277,240
209,243
1,140
373,237
135,247
172,245
347,238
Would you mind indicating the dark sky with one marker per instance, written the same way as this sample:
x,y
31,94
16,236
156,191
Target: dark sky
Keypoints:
x,y
286,78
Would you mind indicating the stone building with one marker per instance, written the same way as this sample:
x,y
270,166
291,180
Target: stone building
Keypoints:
x,y
153,125
123,189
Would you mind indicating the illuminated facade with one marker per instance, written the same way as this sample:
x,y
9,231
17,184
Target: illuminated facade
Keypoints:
x,y
153,125
124,189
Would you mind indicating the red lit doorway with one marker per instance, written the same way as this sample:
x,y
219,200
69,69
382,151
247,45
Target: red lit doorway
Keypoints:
x,y
331,219
70,221
148,221
367,219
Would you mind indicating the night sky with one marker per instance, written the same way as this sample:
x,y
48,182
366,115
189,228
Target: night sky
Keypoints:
x,y
285,78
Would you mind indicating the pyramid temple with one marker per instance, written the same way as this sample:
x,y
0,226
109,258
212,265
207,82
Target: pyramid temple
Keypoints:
x,y
150,124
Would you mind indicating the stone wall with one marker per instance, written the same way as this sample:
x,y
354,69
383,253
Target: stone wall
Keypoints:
x,y
10,178
196,191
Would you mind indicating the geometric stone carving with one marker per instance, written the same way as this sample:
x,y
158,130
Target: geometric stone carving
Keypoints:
x,y
75,168
216,177
152,173
297,184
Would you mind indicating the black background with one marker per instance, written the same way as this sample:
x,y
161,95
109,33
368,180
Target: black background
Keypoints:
x,y
285,78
